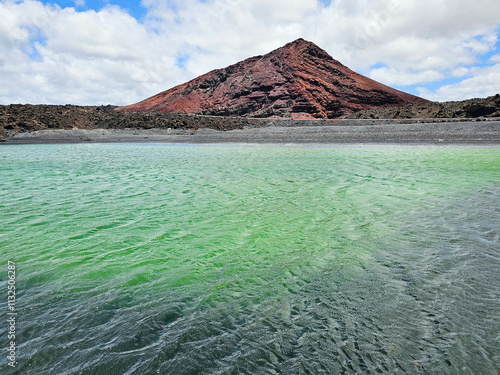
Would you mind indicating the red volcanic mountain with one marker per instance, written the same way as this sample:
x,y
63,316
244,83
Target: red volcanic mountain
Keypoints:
x,y
299,80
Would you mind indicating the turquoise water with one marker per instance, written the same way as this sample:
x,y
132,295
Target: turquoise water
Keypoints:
x,y
163,259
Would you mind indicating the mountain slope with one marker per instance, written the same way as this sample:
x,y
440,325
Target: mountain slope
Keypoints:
x,y
299,80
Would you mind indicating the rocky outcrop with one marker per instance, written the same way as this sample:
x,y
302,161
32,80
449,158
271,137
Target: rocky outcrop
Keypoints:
x,y
299,80
18,118
471,108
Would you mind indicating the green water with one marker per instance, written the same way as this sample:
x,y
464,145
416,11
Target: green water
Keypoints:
x,y
163,259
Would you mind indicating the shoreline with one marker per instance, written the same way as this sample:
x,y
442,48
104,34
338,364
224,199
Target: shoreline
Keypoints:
x,y
348,132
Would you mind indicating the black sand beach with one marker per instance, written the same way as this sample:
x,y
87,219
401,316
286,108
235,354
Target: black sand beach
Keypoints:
x,y
485,132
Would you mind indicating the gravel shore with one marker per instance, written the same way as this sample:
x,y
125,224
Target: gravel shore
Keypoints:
x,y
341,132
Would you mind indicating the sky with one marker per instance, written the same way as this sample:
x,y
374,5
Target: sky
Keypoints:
x,y
99,52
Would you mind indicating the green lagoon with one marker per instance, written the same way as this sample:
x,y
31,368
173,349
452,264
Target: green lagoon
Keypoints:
x,y
227,259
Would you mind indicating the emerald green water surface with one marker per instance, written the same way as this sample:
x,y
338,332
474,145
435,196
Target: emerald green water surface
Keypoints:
x,y
164,259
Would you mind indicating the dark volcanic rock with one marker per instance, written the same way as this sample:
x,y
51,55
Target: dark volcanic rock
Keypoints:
x,y
19,118
470,108
299,80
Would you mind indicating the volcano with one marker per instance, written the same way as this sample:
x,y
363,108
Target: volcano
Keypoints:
x,y
298,80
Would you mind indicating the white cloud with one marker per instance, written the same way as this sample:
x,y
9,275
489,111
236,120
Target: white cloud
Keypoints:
x,y
460,72
80,57
495,59
391,76
53,55
485,82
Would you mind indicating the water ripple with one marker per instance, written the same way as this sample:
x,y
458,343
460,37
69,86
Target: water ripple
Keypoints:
x,y
157,259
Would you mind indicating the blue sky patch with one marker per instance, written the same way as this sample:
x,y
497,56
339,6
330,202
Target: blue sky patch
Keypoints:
x,y
378,66
134,8
181,60
33,52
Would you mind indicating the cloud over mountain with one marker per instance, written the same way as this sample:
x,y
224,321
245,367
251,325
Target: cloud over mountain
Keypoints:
x,y
53,53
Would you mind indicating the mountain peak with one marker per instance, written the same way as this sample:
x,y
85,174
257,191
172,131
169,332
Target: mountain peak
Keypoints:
x,y
297,43
300,44
298,80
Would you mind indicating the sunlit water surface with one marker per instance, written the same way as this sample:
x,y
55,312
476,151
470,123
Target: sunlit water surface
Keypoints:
x,y
163,259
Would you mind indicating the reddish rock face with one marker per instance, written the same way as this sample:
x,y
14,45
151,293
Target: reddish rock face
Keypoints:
x,y
299,80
